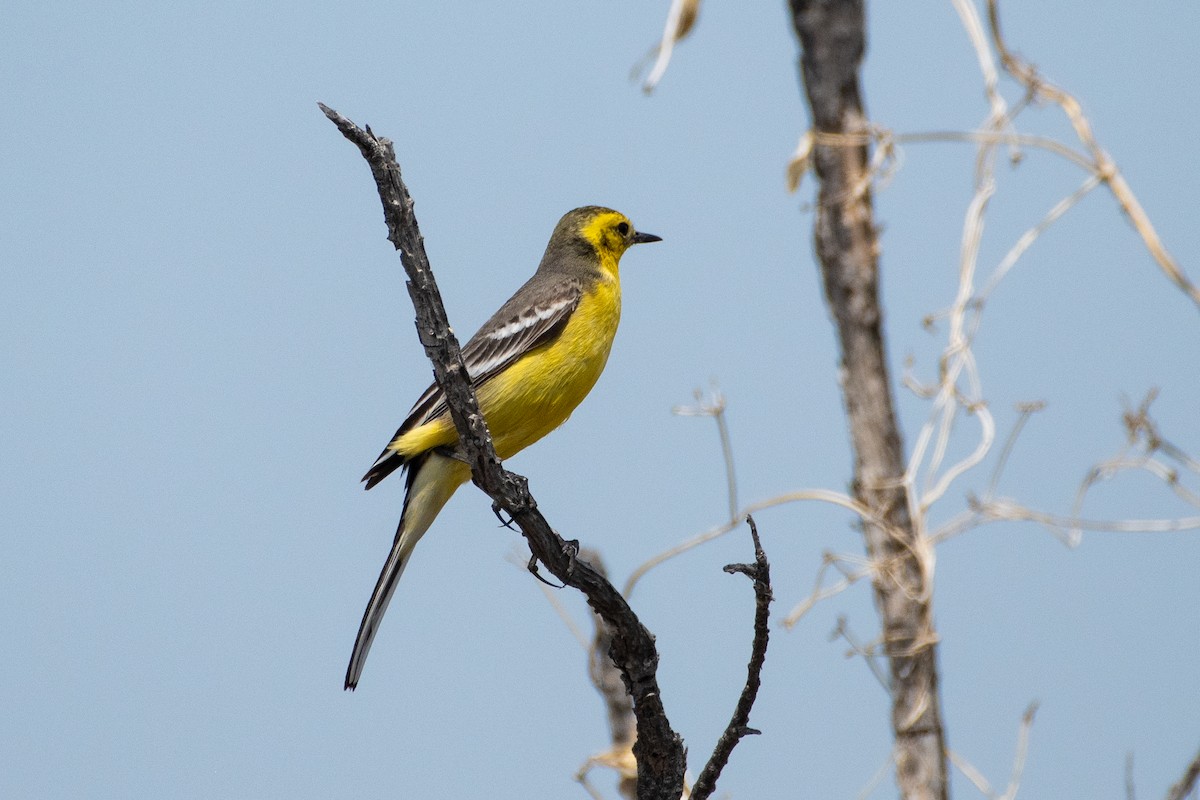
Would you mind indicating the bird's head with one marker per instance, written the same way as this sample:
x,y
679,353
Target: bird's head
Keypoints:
x,y
596,232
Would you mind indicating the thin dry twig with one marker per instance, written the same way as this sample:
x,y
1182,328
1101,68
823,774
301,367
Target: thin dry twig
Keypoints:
x,y
972,773
1144,443
804,495
1018,770
869,653
681,18
521,562
884,769
842,563
1025,411
714,406
1102,164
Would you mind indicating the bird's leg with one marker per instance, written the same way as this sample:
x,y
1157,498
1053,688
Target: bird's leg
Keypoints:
x,y
457,453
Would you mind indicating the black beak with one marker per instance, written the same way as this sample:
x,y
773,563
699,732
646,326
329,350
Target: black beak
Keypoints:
x,y
645,238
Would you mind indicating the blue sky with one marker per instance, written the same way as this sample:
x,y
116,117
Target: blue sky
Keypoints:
x,y
206,340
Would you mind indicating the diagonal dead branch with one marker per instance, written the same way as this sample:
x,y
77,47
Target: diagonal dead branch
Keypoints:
x,y
659,749
1187,782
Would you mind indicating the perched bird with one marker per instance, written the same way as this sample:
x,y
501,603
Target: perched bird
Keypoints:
x,y
531,364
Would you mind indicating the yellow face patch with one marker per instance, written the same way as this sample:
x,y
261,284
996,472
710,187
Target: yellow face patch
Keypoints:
x,y
609,233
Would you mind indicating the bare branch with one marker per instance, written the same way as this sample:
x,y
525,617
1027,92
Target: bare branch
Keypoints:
x,y
659,750
1026,410
760,573
1183,787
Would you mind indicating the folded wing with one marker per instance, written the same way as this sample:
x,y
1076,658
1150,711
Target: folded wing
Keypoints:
x,y
521,325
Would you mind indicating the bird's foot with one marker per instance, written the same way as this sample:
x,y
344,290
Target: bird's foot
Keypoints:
x,y
499,512
533,569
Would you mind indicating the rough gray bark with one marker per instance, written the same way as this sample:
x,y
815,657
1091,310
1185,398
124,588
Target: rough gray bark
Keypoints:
x,y
832,40
607,680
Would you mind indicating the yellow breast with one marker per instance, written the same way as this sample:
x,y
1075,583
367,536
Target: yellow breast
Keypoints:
x,y
539,392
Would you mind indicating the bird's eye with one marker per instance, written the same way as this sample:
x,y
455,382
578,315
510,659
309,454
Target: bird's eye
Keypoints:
x,y
623,228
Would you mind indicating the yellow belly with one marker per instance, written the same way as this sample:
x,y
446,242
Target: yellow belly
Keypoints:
x,y
538,393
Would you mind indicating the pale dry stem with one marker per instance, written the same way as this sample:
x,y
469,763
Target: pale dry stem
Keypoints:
x,y
806,495
681,18
1144,443
884,770
958,388
972,773
714,406
868,652
1102,165
862,568
620,760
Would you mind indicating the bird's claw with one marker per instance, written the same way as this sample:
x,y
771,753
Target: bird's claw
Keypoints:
x,y
571,548
533,570
499,512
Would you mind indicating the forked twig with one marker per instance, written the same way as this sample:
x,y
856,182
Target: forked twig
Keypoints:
x,y
760,573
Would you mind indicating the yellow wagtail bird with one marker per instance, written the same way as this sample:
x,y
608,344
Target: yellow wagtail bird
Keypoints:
x,y
531,364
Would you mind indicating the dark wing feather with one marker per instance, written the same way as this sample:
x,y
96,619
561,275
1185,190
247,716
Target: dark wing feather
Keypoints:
x,y
535,315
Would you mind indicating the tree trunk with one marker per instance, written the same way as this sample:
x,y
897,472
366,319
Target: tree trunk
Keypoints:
x,y
832,40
